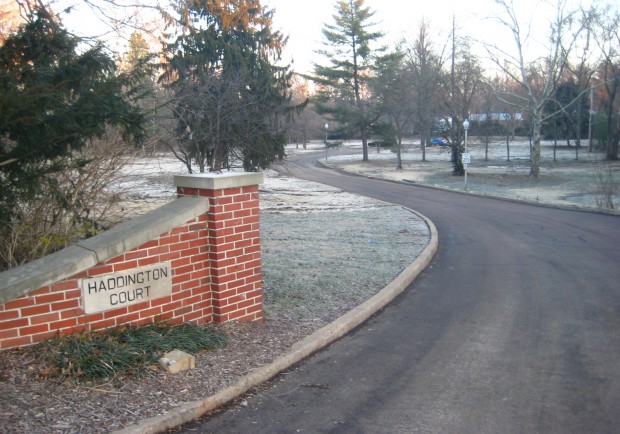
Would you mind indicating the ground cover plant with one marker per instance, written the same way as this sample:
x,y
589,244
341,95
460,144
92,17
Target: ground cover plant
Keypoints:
x,y
128,350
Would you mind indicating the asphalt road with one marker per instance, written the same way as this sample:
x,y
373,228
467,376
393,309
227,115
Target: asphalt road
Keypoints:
x,y
513,328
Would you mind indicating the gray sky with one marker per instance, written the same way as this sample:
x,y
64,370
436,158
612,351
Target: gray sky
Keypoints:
x,y
303,20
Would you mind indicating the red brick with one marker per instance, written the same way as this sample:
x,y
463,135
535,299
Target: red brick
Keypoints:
x,y
253,222
64,324
190,284
242,243
238,255
146,313
129,318
115,312
48,298
19,303
105,324
73,313
170,256
169,239
234,208
16,342
228,239
8,315
8,334
199,257
67,304
125,266
255,265
115,260
244,213
223,310
150,244
161,301
158,250
33,330
179,279
179,246
233,191
93,317
182,261
243,227
136,255
190,252
166,316
40,337
148,261
190,301
172,305
224,200
40,291
255,294
183,310
200,272
189,236
49,317
214,234
179,230
64,286
221,295
251,204
245,273
252,279
101,269
35,310
82,275
221,280
77,293
193,316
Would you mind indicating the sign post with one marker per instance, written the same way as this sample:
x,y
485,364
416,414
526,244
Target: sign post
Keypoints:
x,y
466,158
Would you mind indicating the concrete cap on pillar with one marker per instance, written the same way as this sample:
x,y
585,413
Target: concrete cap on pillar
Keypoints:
x,y
218,181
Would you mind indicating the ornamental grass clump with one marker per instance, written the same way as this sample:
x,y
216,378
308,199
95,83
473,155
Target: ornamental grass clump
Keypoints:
x,y
128,350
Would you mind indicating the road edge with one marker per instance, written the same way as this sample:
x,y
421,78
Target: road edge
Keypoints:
x,y
299,351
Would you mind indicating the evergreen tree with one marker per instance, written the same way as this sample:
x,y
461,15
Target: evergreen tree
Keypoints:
x,y
343,91
229,95
54,98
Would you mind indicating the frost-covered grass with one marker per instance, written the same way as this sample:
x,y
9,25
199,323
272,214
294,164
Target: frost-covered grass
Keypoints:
x,y
564,181
316,265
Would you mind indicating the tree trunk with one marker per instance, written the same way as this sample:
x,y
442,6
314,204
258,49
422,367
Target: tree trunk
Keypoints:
x,y
612,146
535,155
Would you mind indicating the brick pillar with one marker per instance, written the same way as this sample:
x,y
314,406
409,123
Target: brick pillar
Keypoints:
x,y
234,241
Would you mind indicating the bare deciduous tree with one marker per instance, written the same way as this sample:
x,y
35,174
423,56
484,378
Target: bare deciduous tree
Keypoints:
x,y
69,205
539,77
608,41
425,66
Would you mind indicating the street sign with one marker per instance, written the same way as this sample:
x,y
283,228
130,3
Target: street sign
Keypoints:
x,y
466,158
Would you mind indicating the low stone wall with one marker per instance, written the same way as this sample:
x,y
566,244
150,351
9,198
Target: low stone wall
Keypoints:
x,y
196,259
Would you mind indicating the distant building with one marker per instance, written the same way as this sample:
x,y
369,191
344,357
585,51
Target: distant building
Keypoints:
x,y
503,117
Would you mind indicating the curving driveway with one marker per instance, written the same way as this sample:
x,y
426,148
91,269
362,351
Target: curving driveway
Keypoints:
x,y
513,328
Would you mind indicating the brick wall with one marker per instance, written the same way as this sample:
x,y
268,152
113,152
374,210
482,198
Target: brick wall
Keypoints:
x,y
214,260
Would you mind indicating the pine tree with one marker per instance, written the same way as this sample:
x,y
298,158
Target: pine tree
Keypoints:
x,y
54,98
344,84
228,91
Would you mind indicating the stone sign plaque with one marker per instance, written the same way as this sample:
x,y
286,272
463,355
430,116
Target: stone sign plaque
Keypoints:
x,y
111,291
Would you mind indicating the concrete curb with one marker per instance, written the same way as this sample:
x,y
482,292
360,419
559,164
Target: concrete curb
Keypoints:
x,y
302,349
